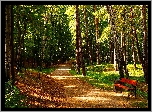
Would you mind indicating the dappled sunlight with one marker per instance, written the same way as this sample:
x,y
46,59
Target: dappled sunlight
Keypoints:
x,y
115,94
60,89
111,72
94,92
91,79
63,77
137,75
35,102
87,98
62,65
46,97
63,69
70,86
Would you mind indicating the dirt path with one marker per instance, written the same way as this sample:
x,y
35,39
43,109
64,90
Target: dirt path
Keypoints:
x,y
62,90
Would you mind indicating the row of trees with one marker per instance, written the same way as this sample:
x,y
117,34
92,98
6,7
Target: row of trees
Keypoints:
x,y
123,34
42,35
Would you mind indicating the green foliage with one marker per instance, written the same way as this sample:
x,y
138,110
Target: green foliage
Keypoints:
x,y
96,76
105,34
105,80
140,104
142,94
53,23
13,98
44,70
47,30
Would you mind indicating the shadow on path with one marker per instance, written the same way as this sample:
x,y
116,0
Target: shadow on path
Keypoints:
x,y
60,89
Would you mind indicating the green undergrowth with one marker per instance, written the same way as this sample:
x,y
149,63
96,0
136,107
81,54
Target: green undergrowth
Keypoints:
x,y
101,80
103,76
44,70
139,104
13,98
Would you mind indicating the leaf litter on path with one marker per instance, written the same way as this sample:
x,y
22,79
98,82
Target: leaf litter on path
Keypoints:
x,y
60,89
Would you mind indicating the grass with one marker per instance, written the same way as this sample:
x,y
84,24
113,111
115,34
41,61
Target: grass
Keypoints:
x,y
102,80
103,76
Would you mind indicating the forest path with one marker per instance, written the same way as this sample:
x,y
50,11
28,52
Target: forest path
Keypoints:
x,y
60,89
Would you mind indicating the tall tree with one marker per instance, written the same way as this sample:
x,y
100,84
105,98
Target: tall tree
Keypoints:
x,y
114,34
133,46
145,46
88,46
133,52
97,36
12,45
77,41
9,45
111,42
7,42
80,41
123,46
143,60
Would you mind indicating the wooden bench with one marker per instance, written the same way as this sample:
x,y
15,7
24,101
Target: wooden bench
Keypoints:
x,y
121,85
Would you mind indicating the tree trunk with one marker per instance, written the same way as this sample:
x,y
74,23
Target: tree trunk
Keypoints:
x,y
111,51
86,34
111,38
88,47
12,46
133,53
144,62
97,40
114,38
111,43
77,41
133,48
90,51
8,42
123,46
145,46
80,45
23,46
118,52
19,60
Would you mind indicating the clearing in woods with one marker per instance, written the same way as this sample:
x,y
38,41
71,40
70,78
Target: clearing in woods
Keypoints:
x,y
60,89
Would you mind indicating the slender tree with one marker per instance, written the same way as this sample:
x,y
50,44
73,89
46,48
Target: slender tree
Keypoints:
x,y
12,45
77,41
145,46
97,37
7,42
144,61
114,34
123,46
133,48
111,42
82,64
88,47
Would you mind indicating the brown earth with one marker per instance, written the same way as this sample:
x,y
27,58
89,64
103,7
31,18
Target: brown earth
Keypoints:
x,y
60,89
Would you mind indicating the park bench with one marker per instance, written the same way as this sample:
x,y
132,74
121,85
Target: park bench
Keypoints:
x,y
126,84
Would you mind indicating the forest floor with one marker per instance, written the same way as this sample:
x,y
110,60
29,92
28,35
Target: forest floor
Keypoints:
x,y
60,89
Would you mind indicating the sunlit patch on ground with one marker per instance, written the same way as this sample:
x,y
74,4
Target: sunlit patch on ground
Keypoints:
x,y
70,86
62,90
90,98
63,77
64,69
62,65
